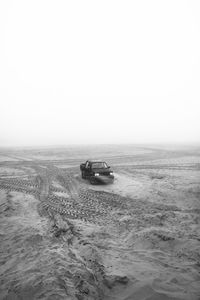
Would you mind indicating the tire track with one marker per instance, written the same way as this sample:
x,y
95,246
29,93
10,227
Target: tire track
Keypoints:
x,y
83,204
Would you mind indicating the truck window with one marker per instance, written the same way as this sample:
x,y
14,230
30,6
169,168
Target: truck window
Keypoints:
x,y
99,165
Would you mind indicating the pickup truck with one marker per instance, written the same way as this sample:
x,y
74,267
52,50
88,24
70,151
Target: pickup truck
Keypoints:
x,y
97,172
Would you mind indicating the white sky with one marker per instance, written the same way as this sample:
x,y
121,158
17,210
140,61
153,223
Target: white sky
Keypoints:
x,y
75,72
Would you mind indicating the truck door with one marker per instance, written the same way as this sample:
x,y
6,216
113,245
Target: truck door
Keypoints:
x,y
87,168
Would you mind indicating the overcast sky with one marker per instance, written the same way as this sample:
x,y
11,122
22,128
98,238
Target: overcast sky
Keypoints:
x,y
75,72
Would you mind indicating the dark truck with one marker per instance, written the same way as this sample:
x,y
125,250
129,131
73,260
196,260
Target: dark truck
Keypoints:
x,y
96,172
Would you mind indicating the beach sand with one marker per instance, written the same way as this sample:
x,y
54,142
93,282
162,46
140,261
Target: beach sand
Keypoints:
x,y
135,239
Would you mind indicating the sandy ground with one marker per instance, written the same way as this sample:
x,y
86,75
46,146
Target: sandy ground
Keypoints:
x,y
138,238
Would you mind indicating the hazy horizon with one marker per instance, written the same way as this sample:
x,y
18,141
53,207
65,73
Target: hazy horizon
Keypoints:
x,y
166,146
109,72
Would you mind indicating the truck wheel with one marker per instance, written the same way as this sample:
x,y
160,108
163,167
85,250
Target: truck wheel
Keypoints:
x,y
92,180
83,174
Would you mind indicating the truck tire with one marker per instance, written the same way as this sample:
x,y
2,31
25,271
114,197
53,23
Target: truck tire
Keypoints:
x,y
92,180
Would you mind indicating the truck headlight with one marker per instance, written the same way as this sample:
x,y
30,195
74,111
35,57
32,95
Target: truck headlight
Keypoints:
x,y
96,174
111,173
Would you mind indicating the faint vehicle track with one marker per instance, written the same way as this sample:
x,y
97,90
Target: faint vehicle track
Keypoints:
x,y
69,183
171,166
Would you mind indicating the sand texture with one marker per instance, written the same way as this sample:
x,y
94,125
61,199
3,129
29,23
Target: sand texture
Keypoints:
x,y
135,239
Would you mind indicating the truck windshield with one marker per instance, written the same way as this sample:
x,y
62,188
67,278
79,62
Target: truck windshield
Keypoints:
x,y
99,165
